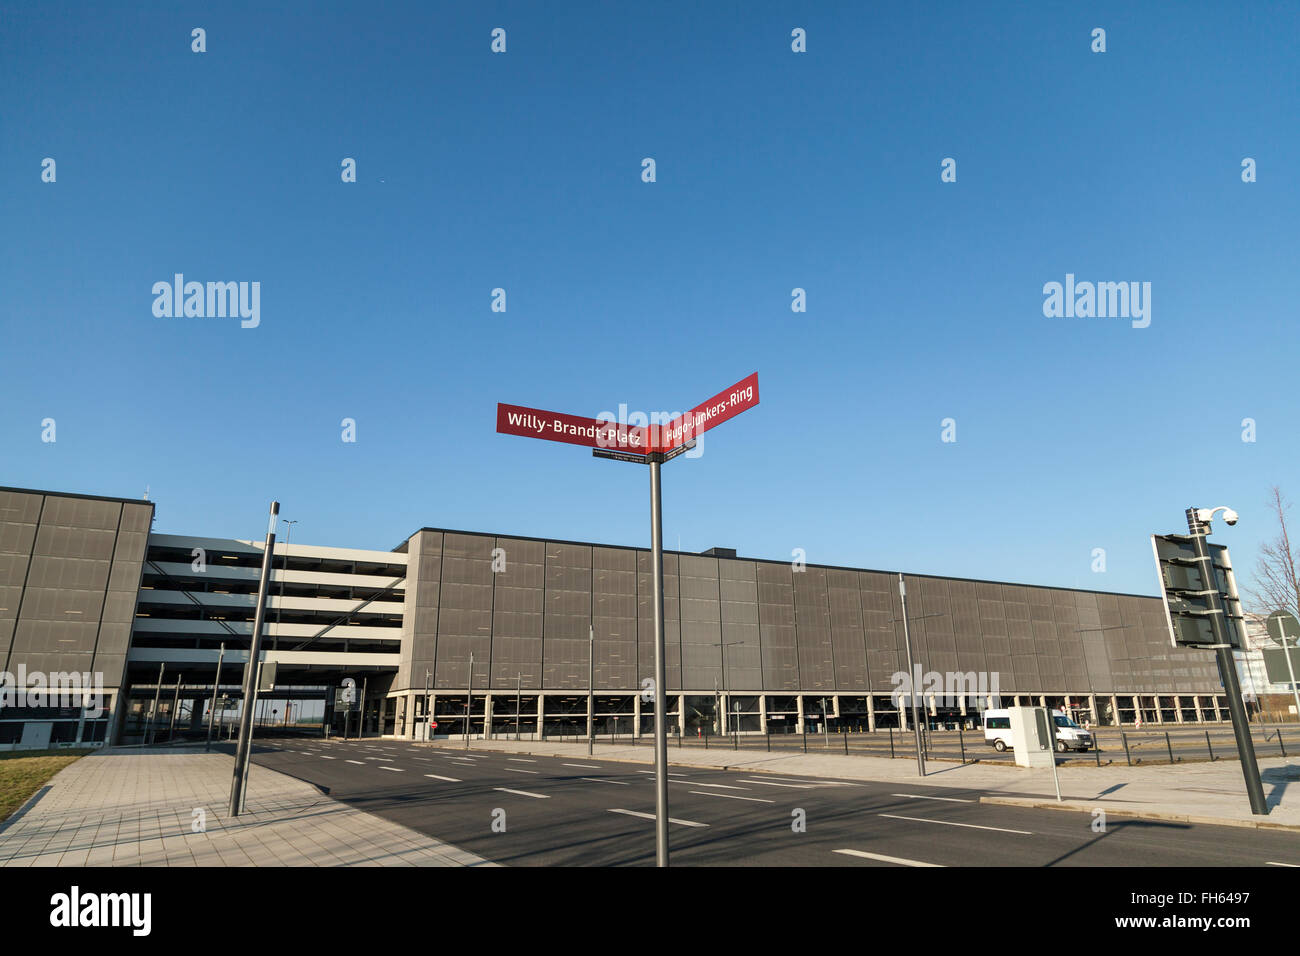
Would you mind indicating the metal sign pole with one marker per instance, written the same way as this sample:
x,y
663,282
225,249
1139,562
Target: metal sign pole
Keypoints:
x,y
661,723
244,748
1227,669
591,678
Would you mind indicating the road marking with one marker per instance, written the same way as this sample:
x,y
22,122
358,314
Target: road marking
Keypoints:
x,y
448,779
362,762
670,773
788,786
948,823
651,816
518,770
1282,864
523,793
886,859
425,759
326,757
522,759
621,783
585,766
394,769
730,796
721,786
922,796
797,780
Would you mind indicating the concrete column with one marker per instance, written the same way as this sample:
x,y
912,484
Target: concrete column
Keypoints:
x,y
871,713
1218,715
762,712
1042,700
798,726
1092,709
636,715
541,714
1196,702
1178,707
487,716
681,714
1160,711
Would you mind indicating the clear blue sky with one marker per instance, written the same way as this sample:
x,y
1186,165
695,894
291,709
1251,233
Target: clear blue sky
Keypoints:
x,y
775,170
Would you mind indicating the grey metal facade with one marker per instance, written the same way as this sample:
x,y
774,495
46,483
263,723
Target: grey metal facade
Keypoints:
x,y
819,629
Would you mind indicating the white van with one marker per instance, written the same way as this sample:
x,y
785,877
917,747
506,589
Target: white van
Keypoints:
x,y
1069,735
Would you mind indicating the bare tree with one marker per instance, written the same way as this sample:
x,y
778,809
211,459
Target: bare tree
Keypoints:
x,y
1277,586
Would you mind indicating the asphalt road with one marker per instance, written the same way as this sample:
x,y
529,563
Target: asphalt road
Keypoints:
x,y
581,811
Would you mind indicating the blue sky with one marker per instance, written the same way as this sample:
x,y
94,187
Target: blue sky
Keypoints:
x,y
775,170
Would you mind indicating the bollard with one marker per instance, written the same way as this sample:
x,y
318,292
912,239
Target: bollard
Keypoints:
x,y
891,743
706,741
961,740
1169,747
1279,741
805,740
1096,749
735,741
1208,746
846,745
1128,759
769,741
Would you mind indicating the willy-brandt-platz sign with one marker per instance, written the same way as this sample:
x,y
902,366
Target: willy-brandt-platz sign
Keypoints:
x,y
656,437
651,444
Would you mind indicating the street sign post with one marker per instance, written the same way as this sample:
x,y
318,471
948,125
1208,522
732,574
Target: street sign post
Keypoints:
x,y
649,445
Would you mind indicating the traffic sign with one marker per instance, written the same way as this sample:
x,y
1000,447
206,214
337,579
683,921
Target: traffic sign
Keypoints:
x,y
1186,592
620,456
1283,628
726,404
1275,664
572,429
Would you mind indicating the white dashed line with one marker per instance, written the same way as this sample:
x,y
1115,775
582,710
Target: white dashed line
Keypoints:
x,y
523,793
922,796
584,766
448,779
518,770
651,816
886,859
394,769
788,786
730,796
521,759
949,823
362,762
621,783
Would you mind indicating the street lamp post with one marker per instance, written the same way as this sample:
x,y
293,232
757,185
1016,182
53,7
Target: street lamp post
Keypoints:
x,y
469,697
911,674
284,571
591,681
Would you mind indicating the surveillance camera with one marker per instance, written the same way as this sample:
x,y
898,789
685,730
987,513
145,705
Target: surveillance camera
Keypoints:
x,y
1229,516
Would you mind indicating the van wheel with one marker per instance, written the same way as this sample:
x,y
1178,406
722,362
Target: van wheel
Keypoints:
x,y
1061,747
1000,746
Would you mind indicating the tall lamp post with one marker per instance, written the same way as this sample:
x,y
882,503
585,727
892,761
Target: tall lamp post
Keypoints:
x,y
720,708
284,571
911,672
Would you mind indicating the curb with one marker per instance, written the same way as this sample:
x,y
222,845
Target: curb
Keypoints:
x,y
1080,807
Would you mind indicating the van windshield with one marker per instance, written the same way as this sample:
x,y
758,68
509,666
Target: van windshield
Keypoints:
x,y
1062,721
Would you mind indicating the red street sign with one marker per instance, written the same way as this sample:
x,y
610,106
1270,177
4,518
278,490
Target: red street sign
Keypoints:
x,y
727,404
556,426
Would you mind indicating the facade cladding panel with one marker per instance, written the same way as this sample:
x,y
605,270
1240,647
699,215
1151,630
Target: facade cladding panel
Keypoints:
x,y
614,617
701,623
812,624
464,611
567,621
848,639
517,614
776,626
646,621
878,594
743,653
69,574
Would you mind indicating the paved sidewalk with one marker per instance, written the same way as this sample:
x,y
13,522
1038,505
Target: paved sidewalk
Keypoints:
x,y
135,807
1193,793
